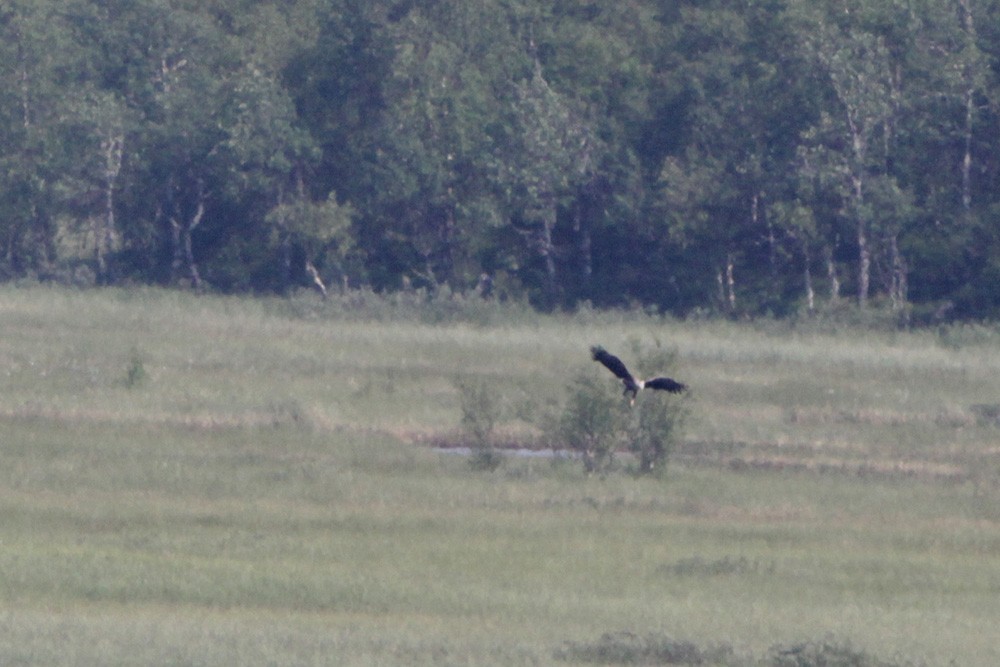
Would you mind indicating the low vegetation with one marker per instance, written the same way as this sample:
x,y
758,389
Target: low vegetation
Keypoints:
x,y
482,409
213,480
625,648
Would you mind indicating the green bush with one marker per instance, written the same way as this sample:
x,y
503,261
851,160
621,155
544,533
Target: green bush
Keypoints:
x,y
824,653
655,420
653,431
593,422
482,408
626,648
135,373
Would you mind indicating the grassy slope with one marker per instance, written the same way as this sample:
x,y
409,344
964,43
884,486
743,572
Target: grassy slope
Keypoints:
x,y
257,498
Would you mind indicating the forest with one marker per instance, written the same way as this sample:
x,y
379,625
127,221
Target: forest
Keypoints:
x,y
733,157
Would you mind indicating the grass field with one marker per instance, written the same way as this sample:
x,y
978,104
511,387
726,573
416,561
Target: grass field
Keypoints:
x,y
205,480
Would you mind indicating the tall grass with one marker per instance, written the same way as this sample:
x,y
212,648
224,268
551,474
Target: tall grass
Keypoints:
x,y
264,494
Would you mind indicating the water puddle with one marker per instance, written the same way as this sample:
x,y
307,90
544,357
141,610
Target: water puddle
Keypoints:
x,y
516,452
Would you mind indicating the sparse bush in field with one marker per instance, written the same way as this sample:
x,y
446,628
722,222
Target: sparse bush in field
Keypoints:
x,y
987,414
653,431
135,373
656,418
700,567
486,459
593,421
288,412
482,408
824,653
626,648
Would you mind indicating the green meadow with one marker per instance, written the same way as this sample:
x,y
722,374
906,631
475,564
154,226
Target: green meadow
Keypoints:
x,y
205,480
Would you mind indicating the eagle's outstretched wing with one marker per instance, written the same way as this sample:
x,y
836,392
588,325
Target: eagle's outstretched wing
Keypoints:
x,y
613,363
666,384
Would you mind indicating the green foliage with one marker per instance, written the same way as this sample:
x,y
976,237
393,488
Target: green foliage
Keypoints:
x,y
987,414
729,158
626,648
317,230
824,653
656,420
653,432
482,409
135,373
593,421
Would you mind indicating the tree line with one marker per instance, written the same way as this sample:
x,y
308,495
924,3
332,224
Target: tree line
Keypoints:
x,y
733,156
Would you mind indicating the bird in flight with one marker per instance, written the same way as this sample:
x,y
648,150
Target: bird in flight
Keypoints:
x,y
632,383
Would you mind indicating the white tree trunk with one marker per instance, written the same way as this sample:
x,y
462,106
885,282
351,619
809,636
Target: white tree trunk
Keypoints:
x,y
183,227
113,147
969,99
864,250
810,290
831,273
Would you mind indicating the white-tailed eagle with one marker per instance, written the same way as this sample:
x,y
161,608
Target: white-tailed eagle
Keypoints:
x,y
632,383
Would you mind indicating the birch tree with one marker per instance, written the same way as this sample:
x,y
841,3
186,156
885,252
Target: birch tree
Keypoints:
x,y
856,65
552,150
37,75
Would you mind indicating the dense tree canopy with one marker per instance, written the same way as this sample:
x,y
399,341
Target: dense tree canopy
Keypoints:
x,y
735,156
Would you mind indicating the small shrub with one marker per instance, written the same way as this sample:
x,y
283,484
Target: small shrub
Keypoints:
x,y
482,409
485,459
593,422
289,412
653,431
987,414
700,567
135,373
824,653
656,418
626,648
